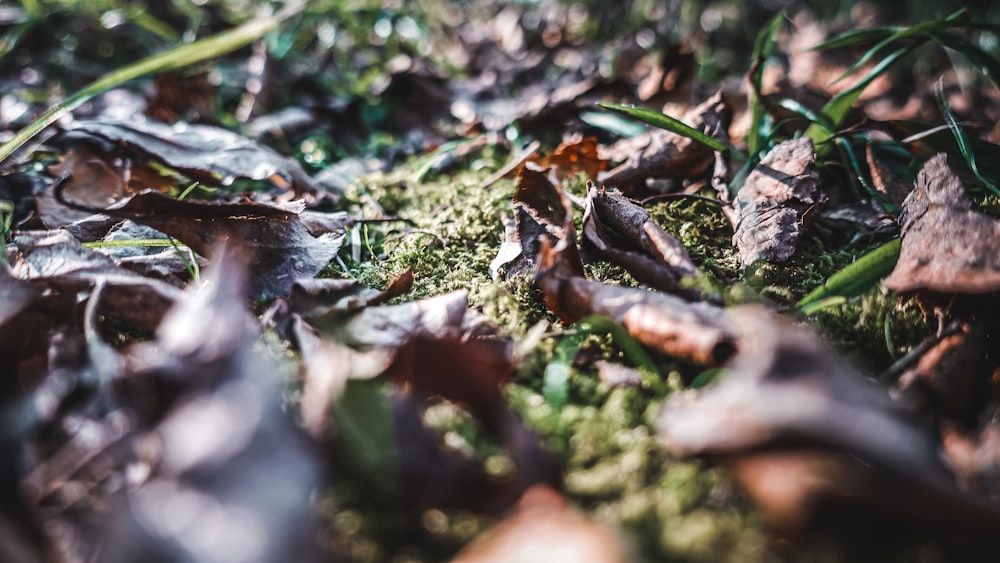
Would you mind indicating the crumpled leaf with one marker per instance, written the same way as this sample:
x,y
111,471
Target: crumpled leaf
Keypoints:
x,y
947,246
210,155
892,188
541,212
622,232
787,393
282,248
663,154
771,205
541,530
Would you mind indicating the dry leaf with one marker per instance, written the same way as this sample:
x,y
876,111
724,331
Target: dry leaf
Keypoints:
x,y
662,154
947,246
772,203
622,232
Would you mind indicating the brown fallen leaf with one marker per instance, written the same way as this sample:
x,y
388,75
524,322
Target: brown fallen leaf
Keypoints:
x,y
948,379
662,154
210,155
574,156
772,203
697,332
543,529
282,248
892,188
947,246
620,231
795,420
542,211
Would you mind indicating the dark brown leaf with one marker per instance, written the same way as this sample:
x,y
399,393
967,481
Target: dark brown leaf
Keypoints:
x,y
211,155
541,212
282,248
772,203
947,246
948,379
887,184
621,231
663,154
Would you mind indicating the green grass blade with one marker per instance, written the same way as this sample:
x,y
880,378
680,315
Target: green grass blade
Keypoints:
x,y
663,121
852,280
984,62
923,30
762,49
857,37
836,109
185,55
963,141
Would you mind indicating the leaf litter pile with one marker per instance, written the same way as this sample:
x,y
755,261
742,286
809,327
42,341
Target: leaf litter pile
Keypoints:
x,y
491,282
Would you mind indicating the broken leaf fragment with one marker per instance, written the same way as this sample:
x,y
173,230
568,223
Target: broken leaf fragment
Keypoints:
x,y
771,205
946,245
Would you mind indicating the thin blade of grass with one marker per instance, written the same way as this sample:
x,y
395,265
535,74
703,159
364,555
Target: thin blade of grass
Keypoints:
x,y
672,124
985,63
837,108
924,29
178,57
857,37
762,49
963,141
852,280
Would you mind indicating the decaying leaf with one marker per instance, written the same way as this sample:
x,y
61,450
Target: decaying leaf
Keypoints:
x,y
663,154
787,392
622,232
948,379
574,156
771,205
947,246
282,248
210,155
469,373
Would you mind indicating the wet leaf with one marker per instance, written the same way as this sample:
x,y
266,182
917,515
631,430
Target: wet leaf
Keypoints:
x,y
621,231
282,248
946,245
772,203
